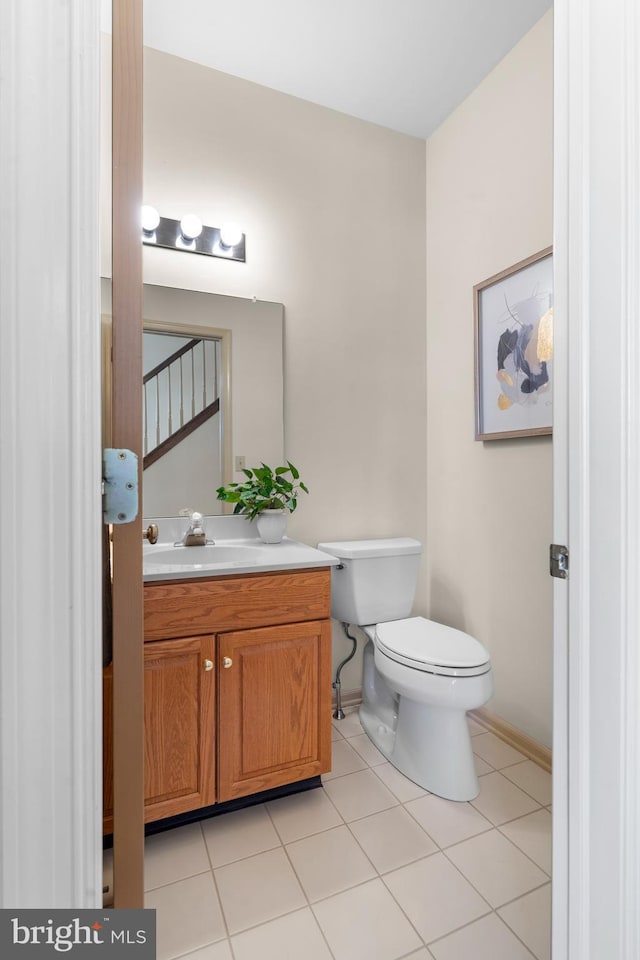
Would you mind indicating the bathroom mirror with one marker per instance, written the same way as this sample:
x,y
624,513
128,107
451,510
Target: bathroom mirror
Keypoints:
x,y
226,373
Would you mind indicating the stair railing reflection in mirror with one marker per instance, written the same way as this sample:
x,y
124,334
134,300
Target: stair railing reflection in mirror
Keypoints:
x,y
180,391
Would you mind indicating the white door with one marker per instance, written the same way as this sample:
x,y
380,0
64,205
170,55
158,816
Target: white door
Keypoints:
x,y
596,867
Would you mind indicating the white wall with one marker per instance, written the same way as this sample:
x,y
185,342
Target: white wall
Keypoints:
x,y
489,205
334,213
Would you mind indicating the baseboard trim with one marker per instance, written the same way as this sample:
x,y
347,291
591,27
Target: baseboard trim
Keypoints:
x,y
531,748
492,723
350,698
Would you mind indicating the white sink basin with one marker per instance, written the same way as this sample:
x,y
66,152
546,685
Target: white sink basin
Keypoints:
x,y
212,553
229,555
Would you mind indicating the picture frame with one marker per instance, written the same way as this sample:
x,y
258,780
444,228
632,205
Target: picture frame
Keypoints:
x,y
513,324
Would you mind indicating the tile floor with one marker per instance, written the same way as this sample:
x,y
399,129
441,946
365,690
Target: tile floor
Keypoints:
x,y
369,867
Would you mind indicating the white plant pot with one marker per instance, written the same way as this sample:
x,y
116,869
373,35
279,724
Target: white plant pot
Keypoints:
x,y
272,525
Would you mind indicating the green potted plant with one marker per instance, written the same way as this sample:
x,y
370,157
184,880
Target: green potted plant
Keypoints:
x,y
266,496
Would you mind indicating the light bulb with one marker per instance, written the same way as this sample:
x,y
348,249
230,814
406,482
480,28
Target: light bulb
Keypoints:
x,y
150,219
230,234
191,226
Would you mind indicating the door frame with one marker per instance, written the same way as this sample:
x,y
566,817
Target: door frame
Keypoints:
x,y
50,467
596,803
126,433
48,859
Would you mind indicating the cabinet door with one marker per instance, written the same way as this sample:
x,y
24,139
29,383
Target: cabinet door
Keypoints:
x,y
179,727
274,697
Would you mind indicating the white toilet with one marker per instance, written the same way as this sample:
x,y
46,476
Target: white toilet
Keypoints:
x,y
420,677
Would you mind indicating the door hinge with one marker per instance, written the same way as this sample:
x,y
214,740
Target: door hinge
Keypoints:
x,y
558,561
119,486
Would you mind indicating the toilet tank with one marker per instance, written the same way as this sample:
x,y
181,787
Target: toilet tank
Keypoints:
x,y
377,581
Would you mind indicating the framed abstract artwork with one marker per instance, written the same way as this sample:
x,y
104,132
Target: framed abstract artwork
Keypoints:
x,y
513,316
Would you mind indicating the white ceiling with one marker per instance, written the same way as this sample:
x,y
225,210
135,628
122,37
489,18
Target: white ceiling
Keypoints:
x,y
404,64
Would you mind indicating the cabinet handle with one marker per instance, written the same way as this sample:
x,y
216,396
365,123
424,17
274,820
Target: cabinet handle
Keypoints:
x,y
227,662
208,665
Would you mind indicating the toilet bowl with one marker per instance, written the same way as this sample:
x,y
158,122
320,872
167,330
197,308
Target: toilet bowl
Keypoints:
x,y
419,677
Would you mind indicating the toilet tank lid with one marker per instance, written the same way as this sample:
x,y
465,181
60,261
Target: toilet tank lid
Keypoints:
x,y
361,549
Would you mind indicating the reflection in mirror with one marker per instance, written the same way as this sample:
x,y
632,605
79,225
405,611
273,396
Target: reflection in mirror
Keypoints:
x,y
242,363
182,421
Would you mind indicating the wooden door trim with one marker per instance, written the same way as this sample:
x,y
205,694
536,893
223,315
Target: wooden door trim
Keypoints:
x,y
128,677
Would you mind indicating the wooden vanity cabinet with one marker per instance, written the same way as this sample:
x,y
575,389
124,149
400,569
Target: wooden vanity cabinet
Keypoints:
x,y
274,703
179,728
237,688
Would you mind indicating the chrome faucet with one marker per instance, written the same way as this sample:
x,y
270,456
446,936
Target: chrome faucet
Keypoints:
x,y
194,535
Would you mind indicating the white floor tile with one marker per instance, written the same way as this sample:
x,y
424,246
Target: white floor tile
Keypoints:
x,y
287,938
486,939
213,951
532,779
366,923
435,897
174,855
303,814
359,795
481,766
474,727
392,839
498,855
532,834
258,889
335,733
447,821
329,862
497,869
344,759
188,916
350,726
367,750
530,918
495,751
240,834
501,800
401,787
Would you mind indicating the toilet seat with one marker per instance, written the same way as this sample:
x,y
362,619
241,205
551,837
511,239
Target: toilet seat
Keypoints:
x,y
432,647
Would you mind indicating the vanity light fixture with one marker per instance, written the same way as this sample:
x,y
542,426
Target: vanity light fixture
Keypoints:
x,y
150,220
190,226
192,236
230,234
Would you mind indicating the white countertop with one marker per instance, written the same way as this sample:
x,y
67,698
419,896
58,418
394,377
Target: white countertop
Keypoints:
x,y
227,555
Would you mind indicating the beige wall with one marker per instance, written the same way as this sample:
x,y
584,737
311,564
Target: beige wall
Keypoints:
x,y
489,205
334,213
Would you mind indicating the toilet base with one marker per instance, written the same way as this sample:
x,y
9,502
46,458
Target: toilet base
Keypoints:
x,y
418,721
430,745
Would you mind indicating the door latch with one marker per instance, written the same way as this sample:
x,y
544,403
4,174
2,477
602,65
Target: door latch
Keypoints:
x,y
119,486
558,561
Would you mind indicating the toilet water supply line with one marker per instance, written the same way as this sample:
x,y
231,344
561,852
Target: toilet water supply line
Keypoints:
x,y
339,712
